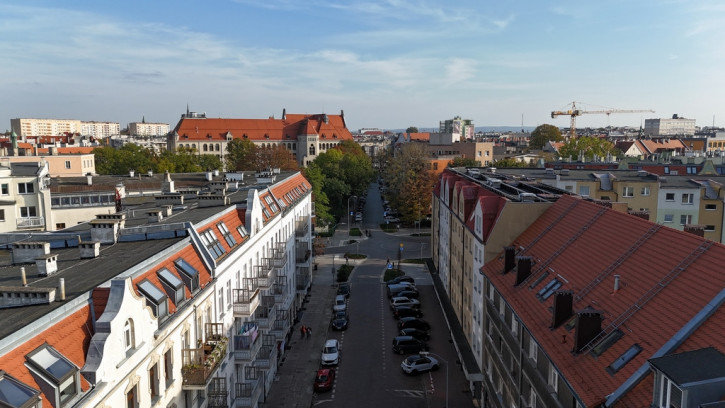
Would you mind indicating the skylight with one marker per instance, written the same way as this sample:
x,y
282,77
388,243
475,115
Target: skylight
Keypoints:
x,y
227,235
212,243
549,289
15,393
174,284
624,359
155,298
57,367
607,342
188,273
242,231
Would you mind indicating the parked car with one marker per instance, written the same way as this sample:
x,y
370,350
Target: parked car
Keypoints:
x,y
392,219
401,278
416,333
419,364
404,301
413,322
330,353
343,289
410,294
340,321
324,379
407,344
340,304
395,289
406,311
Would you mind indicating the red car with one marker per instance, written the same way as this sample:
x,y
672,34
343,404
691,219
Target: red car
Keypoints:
x,y
324,379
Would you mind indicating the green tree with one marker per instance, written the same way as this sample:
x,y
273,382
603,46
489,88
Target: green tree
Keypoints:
x,y
544,133
411,129
276,156
240,155
208,162
508,163
464,162
588,146
106,159
322,204
411,181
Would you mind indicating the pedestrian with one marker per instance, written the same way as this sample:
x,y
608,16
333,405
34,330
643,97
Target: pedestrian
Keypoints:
x,y
309,332
303,330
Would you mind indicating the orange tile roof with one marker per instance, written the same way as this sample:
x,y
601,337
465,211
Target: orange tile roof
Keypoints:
x,y
216,129
68,150
70,336
419,137
577,241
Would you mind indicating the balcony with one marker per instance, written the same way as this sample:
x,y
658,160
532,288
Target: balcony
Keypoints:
x,y
247,393
279,256
199,364
217,393
247,342
264,274
265,314
279,290
281,326
302,253
302,278
267,353
302,227
246,300
30,222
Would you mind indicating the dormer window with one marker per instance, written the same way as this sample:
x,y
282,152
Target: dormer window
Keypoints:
x,y
155,298
690,374
242,231
173,286
188,274
57,371
244,136
334,136
16,394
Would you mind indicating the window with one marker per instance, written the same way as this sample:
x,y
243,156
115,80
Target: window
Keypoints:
x,y
687,198
533,349
2,215
670,197
711,206
270,202
553,378
129,337
670,394
188,274
168,366
15,393
63,374
67,164
709,228
221,299
60,225
154,382
532,398
584,191
628,192
131,398
26,188
155,298
685,219
514,325
669,217
172,285
229,294
501,306
227,235
212,243
28,212
644,191
667,169
549,289
691,170
4,190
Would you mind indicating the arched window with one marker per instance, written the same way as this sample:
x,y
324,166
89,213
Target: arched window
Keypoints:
x,y
217,148
312,150
129,337
205,147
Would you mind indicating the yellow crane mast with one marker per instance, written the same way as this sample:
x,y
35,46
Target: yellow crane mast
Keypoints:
x,y
574,112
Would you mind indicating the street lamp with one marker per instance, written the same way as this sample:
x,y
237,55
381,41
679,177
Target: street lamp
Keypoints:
x,y
425,353
348,214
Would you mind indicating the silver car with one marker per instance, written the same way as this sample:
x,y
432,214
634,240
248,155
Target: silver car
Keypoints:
x,y
418,363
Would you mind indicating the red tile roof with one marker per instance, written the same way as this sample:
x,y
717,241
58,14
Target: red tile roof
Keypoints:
x,y
264,129
580,242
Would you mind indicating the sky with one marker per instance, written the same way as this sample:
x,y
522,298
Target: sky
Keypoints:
x,y
387,64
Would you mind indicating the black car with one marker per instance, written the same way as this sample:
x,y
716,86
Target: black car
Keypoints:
x,y
413,322
401,278
410,294
406,311
407,344
415,333
343,289
340,321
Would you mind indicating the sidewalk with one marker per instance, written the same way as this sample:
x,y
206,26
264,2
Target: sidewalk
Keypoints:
x,y
292,387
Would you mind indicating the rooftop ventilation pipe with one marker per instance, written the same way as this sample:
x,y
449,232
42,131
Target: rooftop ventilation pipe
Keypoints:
x,y
616,283
61,283
22,276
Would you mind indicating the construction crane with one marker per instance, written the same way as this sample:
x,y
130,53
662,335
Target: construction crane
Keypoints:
x,y
574,112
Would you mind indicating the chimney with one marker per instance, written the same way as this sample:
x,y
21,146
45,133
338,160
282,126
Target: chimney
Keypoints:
x,y
216,172
89,179
616,283
523,270
208,176
698,230
563,307
588,326
131,173
509,258
61,284
89,249
47,265
23,277
150,173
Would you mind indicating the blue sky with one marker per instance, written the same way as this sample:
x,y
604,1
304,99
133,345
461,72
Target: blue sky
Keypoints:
x,y
387,64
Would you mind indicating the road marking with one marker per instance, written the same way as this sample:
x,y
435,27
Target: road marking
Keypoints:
x,y
322,401
410,393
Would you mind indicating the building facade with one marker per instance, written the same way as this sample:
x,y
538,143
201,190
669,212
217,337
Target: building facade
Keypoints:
x,y
44,127
676,126
148,129
100,130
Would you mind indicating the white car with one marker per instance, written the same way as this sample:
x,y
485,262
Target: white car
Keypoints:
x,y
392,219
404,301
419,363
340,304
330,353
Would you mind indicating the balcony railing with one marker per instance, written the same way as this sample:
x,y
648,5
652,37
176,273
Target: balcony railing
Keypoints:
x,y
302,252
199,364
302,278
279,290
247,342
247,393
30,222
265,314
302,227
267,353
245,301
281,325
264,274
217,393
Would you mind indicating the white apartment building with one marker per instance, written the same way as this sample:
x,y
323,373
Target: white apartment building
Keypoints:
x,y
100,130
24,197
148,129
676,126
24,127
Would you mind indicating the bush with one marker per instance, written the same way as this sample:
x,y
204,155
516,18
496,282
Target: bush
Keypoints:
x,y
355,232
343,273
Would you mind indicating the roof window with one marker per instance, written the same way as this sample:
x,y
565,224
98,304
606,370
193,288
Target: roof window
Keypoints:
x,y
227,234
242,231
607,342
189,274
16,394
539,279
172,284
212,243
155,298
549,289
624,359
57,371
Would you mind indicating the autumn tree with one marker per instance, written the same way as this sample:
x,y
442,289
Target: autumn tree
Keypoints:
x,y
544,133
464,162
410,179
509,163
411,129
588,147
240,155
